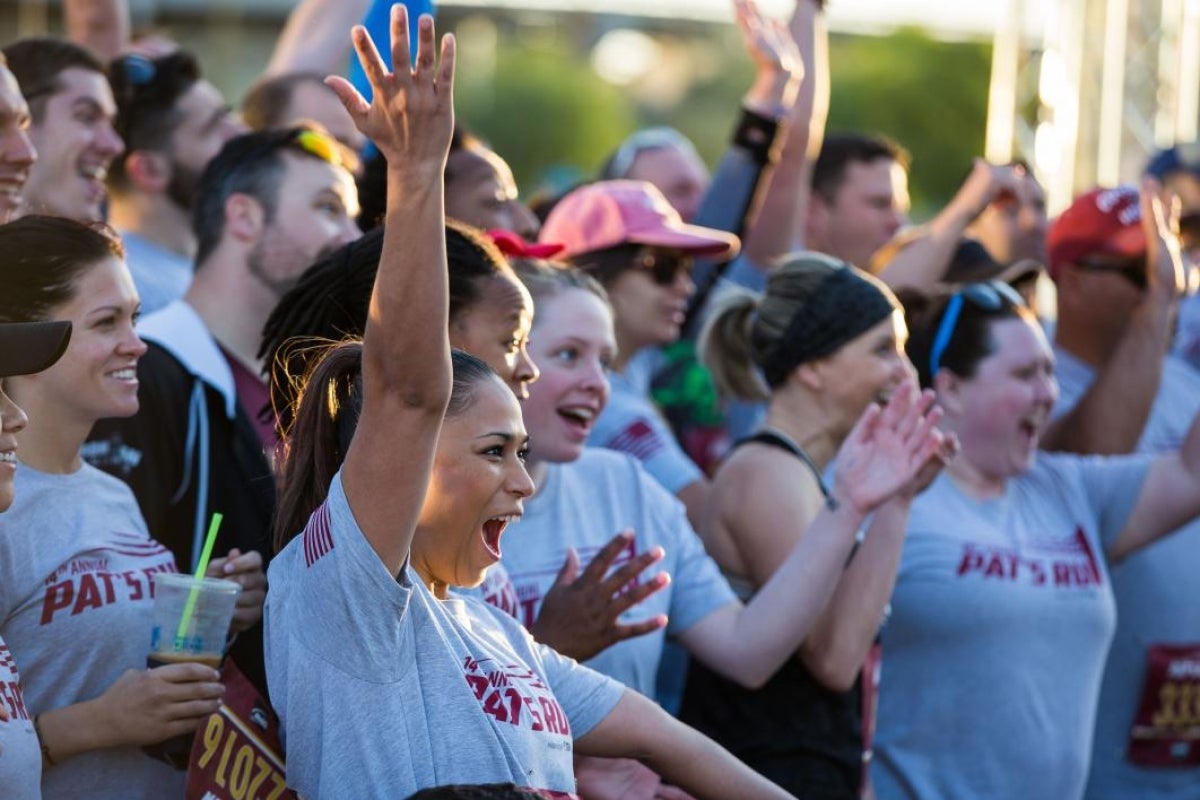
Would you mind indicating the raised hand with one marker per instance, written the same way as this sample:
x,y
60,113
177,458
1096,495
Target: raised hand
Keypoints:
x,y
579,614
778,66
246,570
985,184
150,706
1164,258
411,114
889,448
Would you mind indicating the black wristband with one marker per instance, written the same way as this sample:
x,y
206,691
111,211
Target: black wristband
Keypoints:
x,y
756,134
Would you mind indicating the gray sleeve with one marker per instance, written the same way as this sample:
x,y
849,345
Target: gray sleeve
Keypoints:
x,y
637,429
697,586
585,695
1113,486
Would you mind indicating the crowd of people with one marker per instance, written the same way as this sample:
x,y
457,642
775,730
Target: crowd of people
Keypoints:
x,y
677,485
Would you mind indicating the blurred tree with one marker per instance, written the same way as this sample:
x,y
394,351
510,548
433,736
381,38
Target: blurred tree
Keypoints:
x,y
929,95
538,101
543,109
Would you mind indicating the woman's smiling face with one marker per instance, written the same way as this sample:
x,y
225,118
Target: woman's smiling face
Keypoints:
x,y
573,345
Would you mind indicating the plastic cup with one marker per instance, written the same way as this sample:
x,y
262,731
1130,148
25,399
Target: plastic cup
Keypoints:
x,y
201,638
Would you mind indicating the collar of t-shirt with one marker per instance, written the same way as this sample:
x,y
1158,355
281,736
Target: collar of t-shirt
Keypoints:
x,y
255,397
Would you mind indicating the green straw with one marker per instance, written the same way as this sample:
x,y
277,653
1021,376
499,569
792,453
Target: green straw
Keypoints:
x,y
205,556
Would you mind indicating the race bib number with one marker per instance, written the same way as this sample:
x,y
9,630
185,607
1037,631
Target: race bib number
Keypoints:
x,y
1166,729
237,753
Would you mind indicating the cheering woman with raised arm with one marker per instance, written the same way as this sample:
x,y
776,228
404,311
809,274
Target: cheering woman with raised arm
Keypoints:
x,y
363,635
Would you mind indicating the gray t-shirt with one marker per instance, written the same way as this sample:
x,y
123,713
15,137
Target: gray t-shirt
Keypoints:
x,y
1001,619
383,689
160,275
20,753
1158,603
584,504
75,608
632,424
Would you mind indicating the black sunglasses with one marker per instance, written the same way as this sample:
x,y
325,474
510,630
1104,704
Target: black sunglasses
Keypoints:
x,y
1131,269
664,265
990,296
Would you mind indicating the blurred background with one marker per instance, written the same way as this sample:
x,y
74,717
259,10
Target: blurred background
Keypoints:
x,y
1080,89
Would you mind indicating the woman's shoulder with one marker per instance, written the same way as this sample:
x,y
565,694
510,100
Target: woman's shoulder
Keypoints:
x,y
600,466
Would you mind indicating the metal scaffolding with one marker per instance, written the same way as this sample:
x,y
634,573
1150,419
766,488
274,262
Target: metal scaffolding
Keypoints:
x,y
1087,91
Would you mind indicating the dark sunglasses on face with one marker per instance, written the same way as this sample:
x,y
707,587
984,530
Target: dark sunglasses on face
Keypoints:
x,y
1131,269
664,265
990,296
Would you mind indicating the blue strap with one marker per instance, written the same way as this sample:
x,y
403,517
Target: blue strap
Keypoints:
x,y
196,446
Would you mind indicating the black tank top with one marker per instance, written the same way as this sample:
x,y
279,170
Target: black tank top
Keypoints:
x,y
793,730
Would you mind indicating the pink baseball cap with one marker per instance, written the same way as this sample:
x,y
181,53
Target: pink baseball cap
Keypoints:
x,y
610,213
1102,222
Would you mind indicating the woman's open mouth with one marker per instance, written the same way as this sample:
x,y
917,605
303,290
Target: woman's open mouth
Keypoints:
x,y
492,529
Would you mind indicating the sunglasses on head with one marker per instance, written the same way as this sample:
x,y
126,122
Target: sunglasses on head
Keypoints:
x,y
990,296
313,142
1131,269
664,266
133,69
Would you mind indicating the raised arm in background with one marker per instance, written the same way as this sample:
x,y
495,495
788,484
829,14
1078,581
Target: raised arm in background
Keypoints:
x,y
779,227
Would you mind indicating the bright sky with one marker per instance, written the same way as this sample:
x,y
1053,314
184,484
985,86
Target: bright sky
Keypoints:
x,y
968,18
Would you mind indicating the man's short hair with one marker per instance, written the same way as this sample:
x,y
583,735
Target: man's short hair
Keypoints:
x,y
840,150
147,92
252,164
267,102
37,62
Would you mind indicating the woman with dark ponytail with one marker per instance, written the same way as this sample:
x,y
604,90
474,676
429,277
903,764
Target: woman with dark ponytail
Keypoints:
x,y
385,681
824,344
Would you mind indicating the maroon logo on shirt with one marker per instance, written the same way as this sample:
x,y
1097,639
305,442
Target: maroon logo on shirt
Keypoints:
x,y
87,582
1071,564
516,695
498,590
10,687
638,439
318,540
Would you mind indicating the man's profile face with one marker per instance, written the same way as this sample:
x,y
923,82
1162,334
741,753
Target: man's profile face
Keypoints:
x,y
205,124
17,154
869,208
76,143
314,215
1013,226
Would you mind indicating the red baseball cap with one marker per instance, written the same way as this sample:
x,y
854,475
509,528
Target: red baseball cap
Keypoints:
x,y
610,213
1102,222
514,245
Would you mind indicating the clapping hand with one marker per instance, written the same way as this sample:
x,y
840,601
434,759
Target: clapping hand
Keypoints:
x,y
579,615
890,449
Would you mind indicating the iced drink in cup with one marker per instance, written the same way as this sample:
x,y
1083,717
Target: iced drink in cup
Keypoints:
x,y
191,624
208,605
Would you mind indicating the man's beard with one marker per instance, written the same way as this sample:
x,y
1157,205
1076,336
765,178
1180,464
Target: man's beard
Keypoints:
x,y
182,187
257,262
